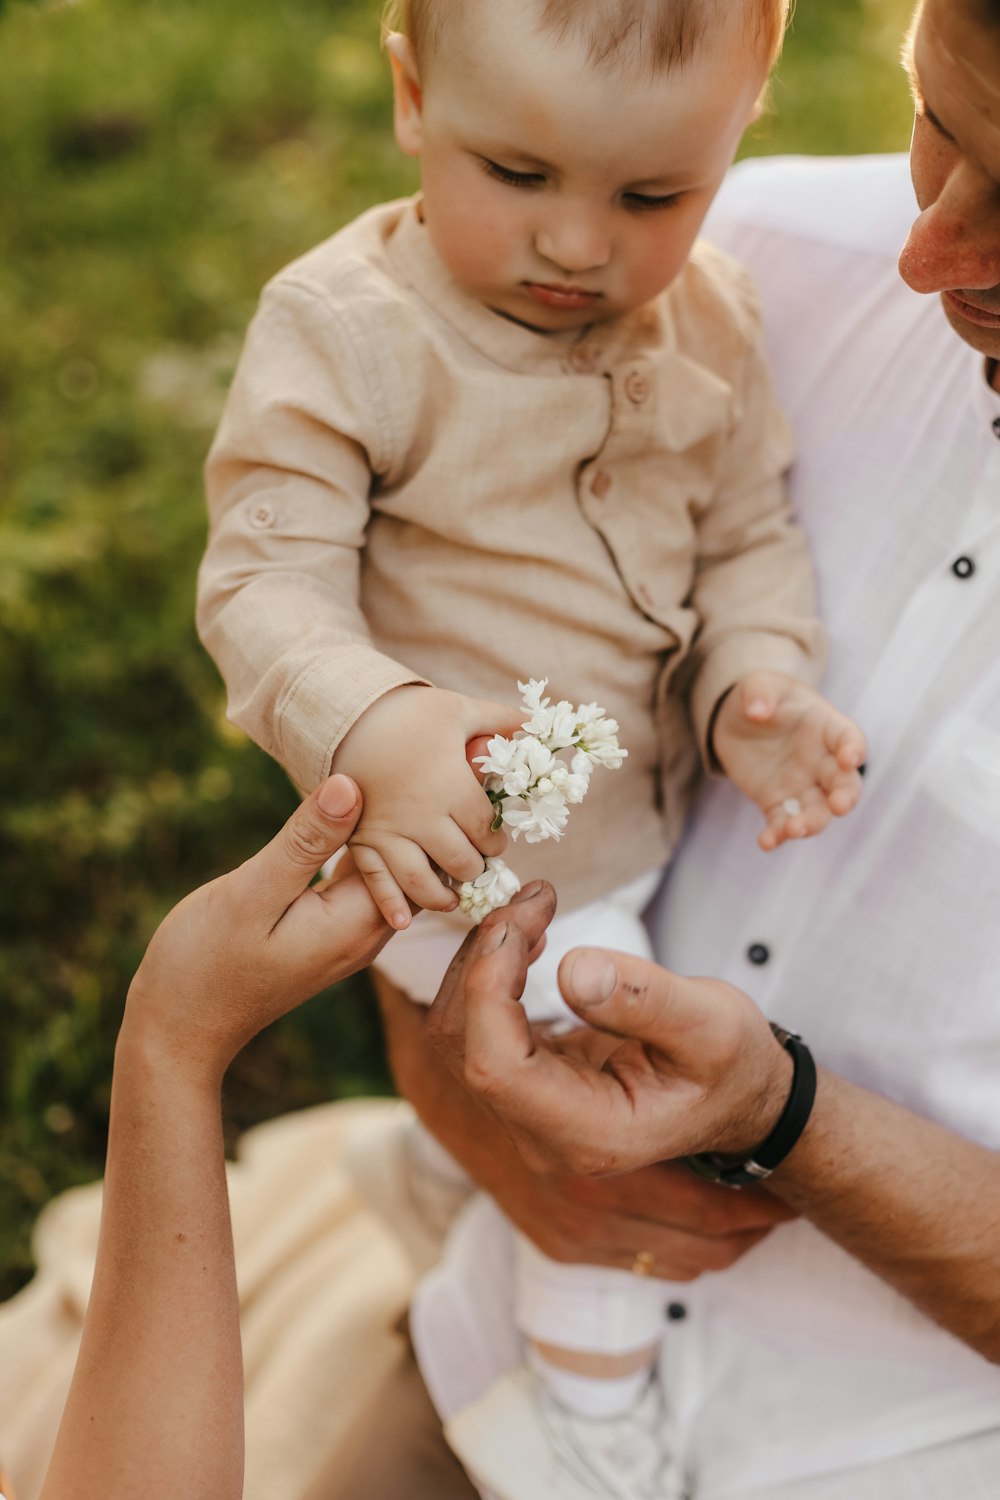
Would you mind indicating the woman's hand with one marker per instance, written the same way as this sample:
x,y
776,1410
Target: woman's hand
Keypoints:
x,y
249,947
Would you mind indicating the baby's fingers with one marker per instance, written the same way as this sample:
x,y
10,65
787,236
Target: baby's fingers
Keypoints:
x,y
473,814
846,742
795,818
382,887
453,853
844,793
841,787
398,872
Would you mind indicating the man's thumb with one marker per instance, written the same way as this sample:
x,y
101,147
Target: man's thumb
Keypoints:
x,y
623,994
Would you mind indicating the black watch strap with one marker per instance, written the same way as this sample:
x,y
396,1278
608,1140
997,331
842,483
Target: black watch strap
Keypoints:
x,y
791,1123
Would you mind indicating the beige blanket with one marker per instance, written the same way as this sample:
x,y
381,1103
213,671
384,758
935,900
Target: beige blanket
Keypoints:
x,y
322,1284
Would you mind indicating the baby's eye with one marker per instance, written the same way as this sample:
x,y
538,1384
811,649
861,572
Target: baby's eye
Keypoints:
x,y
511,178
643,201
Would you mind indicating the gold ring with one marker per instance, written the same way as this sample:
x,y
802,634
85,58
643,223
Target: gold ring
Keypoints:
x,y
643,1263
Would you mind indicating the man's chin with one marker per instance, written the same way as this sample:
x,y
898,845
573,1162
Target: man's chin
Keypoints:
x,y
985,341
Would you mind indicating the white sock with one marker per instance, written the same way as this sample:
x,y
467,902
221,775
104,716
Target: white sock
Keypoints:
x,y
589,1395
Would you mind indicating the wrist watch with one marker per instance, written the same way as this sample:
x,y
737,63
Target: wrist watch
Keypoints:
x,y
791,1123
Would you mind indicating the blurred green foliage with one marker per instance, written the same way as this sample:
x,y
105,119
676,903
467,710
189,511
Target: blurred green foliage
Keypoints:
x,y
157,164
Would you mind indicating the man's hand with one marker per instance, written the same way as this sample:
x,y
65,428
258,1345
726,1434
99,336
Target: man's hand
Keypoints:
x,y
242,951
686,1225
692,1066
791,752
424,805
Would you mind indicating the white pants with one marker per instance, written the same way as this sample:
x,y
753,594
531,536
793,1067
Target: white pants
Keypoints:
x,y
589,1308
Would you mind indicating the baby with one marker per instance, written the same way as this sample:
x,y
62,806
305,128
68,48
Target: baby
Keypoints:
x,y
521,426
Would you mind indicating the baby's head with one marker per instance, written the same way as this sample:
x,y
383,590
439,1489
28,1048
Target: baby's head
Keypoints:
x,y
570,149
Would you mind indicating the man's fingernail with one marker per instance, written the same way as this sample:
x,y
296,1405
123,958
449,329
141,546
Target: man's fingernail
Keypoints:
x,y
337,797
528,892
495,938
592,978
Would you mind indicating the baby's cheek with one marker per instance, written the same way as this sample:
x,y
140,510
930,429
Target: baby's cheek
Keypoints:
x,y
474,240
656,267
661,248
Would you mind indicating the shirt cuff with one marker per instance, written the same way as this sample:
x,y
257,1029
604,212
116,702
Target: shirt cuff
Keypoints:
x,y
327,701
729,662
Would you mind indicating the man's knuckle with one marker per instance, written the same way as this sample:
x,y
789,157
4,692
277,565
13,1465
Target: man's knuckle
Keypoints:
x,y
481,1077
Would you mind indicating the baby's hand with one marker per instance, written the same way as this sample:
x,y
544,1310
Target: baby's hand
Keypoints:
x,y
789,751
423,803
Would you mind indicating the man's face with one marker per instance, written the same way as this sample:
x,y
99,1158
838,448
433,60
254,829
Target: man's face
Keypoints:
x,y
557,193
954,247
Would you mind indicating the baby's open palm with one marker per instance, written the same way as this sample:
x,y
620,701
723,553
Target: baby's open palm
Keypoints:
x,y
791,752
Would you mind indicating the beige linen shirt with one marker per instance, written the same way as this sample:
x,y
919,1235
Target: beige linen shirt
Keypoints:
x,y
407,487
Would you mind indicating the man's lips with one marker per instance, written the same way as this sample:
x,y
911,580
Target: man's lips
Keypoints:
x,y
555,294
970,312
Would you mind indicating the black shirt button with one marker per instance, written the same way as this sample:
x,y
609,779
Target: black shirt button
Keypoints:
x,y
963,567
758,953
676,1312
996,427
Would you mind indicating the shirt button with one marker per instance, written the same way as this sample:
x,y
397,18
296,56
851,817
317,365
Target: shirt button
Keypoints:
x,y
963,567
261,517
636,388
601,484
676,1312
996,427
758,953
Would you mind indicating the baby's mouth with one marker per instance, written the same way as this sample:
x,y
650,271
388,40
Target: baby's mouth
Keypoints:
x,y
560,295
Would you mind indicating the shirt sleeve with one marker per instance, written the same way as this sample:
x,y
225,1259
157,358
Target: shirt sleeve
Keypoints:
x,y
288,482
754,591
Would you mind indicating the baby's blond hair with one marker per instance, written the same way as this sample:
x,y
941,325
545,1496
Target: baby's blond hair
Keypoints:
x,y
657,35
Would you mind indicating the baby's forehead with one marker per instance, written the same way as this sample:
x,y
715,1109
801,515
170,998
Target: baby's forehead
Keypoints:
x,y
541,104
646,37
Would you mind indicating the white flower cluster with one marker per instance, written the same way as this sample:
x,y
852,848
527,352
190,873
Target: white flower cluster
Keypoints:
x,y
533,790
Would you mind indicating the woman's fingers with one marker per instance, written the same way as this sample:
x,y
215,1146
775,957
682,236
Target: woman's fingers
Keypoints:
x,y
284,868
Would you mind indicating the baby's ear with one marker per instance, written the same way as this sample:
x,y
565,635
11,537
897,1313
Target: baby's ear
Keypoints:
x,y
408,115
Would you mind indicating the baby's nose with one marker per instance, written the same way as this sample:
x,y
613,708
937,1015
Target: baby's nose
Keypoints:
x,y
575,244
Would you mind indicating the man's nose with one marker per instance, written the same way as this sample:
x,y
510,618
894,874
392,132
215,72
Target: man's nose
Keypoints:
x,y
575,242
955,243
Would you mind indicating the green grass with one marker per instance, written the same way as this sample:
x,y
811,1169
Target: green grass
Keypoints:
x,y
157,164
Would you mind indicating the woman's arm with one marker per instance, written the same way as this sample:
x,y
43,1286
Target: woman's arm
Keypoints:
x,y
155,1410
156,1404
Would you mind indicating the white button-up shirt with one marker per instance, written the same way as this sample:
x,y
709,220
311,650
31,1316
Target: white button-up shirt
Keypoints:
x,y
879,941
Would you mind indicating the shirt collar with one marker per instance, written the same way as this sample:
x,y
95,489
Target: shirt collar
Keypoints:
x,y
415,260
